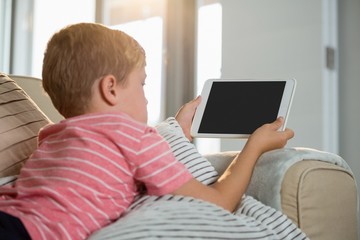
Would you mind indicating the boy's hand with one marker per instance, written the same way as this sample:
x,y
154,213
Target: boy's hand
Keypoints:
x,y
267,137
185,116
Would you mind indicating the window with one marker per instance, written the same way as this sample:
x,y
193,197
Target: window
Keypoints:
x,y
142,20
26,27
49,17
209,42
5,26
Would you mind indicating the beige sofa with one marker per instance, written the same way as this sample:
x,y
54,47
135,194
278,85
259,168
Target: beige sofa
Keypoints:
x,y
319,197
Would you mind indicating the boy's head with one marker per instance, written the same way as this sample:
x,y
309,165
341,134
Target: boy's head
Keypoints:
x,y
78,55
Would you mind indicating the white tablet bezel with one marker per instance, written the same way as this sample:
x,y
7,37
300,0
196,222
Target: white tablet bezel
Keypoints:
x,y
284,109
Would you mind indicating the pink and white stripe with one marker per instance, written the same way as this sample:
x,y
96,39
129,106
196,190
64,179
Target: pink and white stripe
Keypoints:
x,y
86,172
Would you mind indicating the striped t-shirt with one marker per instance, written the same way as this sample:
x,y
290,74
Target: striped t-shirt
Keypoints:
x,y
86,172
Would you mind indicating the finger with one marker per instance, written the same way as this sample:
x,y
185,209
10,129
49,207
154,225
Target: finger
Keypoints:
x,y
193,104
198,98
277,123
289,133
188,136
280,119
196,101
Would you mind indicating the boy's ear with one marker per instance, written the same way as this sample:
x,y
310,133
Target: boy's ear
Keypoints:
x,y
108,89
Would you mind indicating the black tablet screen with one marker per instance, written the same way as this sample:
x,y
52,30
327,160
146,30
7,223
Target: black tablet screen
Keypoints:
x,y
241,107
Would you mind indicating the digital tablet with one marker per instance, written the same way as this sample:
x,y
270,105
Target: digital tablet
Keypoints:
x,y
236,108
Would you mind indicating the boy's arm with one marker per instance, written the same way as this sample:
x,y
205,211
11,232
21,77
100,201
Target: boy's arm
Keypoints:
x,y
231,186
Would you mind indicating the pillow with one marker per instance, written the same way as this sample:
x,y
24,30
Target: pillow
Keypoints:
x,y
20,122
186,153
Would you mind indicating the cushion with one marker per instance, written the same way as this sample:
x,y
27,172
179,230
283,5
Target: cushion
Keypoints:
x,y
186,153
20,122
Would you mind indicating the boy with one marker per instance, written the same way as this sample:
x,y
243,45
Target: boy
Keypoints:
x,y
88,169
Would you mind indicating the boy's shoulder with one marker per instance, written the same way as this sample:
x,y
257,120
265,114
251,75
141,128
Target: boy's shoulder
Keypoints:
x,y
102,123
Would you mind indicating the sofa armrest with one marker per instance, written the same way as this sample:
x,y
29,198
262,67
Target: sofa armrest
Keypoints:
x,y
319,197
220,161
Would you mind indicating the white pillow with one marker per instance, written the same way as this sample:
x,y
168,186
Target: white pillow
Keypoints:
x,y
186,153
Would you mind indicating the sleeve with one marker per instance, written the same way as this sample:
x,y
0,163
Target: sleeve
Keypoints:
x,y
157,167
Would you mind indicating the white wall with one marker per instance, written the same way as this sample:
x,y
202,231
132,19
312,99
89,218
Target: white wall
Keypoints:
x,y
276,39
349,83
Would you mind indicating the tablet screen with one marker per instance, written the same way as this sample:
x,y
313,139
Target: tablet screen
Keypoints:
x,y
240,107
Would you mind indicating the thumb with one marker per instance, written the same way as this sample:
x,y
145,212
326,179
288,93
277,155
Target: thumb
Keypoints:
x,y
289,133
278,123
196,101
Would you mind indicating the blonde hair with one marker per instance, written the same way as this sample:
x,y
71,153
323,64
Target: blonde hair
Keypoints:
x,y
81,53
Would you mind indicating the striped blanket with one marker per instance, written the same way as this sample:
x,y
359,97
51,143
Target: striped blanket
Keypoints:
x,y
178,217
